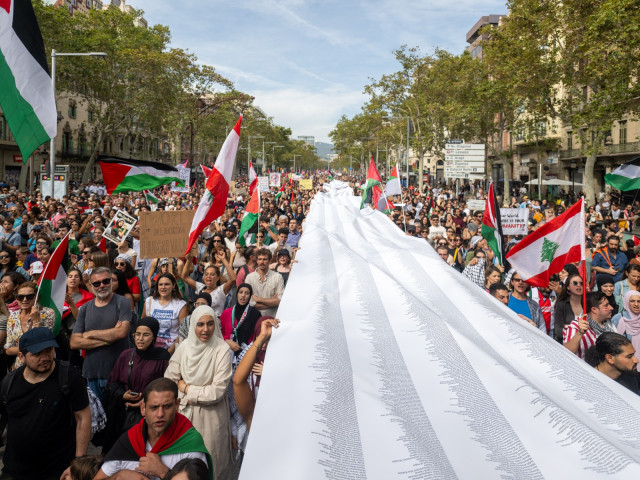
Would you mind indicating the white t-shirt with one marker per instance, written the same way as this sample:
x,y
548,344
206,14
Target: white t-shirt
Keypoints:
x,y
167,317
114,466
217,297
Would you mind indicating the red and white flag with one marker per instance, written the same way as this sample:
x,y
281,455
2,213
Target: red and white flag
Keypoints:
x,y
214,200
205,170
546,251
253,179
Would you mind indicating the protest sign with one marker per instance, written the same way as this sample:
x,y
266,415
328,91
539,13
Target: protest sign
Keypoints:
x,y
164,233
274,179
514,221
263,184
185,175
121,224
476,204
306,184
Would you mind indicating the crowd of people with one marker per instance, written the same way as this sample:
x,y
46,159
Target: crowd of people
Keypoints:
x,y
158,361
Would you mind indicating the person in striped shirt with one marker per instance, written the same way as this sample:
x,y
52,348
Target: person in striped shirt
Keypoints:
x,y
583,332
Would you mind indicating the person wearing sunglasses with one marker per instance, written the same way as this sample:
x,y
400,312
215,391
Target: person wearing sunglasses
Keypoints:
x,y
8,264
123,263
28,316
101,330
525,307
569,304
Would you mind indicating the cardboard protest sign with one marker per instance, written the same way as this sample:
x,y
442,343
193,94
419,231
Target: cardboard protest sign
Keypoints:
x,y
164,233
306,184
121,224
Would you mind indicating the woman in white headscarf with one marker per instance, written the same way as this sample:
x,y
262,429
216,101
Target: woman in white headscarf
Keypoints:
x,y
201,366
629,324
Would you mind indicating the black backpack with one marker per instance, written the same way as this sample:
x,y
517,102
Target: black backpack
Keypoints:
x,y
63,382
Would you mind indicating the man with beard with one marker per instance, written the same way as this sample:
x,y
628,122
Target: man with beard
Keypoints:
x,y
614,355
583,332
267,285
47,408
101,330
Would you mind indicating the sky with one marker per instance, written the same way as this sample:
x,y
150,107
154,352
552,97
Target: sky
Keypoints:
x,y
307,62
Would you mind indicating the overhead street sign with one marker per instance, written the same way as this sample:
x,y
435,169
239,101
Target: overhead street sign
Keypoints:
x,y
464,160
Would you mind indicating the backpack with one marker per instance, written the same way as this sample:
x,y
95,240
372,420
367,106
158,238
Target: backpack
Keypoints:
x,y
63,382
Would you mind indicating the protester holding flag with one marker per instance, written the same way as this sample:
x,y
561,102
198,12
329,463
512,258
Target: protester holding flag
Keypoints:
x,y
30,315
491,225
583,332
372,190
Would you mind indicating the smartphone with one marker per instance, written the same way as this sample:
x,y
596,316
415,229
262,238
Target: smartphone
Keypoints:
x,y
134,393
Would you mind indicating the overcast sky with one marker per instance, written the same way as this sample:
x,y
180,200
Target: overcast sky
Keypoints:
x,y
307,61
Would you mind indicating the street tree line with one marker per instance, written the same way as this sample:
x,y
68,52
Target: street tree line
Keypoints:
x,y
551,64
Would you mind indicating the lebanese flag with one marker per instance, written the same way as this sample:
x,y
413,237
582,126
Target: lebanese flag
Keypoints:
x,y
372,190
214,201
253,179
26,93
126,175
206,171
546,251
393,186
492,226
250,216
53,282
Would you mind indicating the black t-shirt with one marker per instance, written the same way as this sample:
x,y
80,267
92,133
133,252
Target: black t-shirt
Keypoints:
x,y
41,434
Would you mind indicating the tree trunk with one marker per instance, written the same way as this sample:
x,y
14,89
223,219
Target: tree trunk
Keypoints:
x,y
506,171
589,190
421,170
86,175
22,184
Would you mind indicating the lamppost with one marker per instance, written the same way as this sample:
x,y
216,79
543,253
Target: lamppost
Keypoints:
x,y
294,161
263,157
574,164
407,151
249,151
273,157
52,143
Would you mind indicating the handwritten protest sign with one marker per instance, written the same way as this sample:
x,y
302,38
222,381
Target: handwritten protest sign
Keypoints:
x,y
164,233
306,184
274,179
263,184
514,220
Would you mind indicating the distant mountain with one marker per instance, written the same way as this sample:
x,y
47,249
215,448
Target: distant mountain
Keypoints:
x,y
324,150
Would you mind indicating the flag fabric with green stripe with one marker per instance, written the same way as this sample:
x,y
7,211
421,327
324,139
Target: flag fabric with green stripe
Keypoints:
x,y
250,216
280,192
26,92
126,175
491,225
150,197
626,176
53,283
372,189
393,186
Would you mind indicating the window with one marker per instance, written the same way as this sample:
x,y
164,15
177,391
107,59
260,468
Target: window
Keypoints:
x,y
623,132
90,116
73,109
569,140
82,145
3,128
67,143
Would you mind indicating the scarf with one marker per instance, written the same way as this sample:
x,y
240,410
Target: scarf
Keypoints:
x,y
630,325
599,329
198,359
152,352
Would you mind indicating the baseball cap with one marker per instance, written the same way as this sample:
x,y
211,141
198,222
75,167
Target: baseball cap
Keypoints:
x,y
36,267
36,340
284,251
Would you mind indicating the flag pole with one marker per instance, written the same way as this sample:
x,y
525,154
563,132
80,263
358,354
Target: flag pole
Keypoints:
x,y
584,259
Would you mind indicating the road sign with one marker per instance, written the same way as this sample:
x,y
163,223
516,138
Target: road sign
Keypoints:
x,y
464,160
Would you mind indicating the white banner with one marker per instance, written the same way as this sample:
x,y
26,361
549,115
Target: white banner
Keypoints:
x,y
514,220
263,184
185,174
274,180
389,364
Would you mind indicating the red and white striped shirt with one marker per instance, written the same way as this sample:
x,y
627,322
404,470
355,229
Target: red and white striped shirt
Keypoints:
x,y
588,338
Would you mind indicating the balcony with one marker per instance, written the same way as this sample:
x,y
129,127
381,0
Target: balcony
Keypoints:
x,y
608,150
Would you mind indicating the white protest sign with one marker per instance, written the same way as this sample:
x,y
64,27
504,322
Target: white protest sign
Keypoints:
x,y
514,221
263,184
274,179
185,175
476,204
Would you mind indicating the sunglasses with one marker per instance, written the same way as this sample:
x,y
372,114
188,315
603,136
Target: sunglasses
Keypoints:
x,y
576,284
217,241
120,264
86,252
106,281
517,280
3,256
26,296
41,243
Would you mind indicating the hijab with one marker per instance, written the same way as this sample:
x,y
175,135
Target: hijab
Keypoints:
x,y
152,352
239,309
630,324
603,279
243,319
198,359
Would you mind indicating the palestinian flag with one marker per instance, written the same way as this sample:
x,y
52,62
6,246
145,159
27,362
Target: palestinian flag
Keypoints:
x,y
253,178
546,251
626,176
393,186
250,217
179,437
126,175
491,225
26,92
53,282
280,192
214,201
372,190
331,175
150,197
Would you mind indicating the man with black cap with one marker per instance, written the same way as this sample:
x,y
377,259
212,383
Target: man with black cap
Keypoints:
x,y
230,237
47,407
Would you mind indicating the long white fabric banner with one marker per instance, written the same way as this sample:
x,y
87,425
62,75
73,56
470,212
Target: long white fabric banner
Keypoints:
x,y
389,364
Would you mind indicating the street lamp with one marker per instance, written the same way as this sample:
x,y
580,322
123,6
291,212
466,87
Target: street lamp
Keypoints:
x,y
574,164
52,143
249,151
294,161
273,157
407,152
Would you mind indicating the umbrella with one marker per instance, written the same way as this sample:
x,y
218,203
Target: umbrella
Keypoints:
x,y
554,181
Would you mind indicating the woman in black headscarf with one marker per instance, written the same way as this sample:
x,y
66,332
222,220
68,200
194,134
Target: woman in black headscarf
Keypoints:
x,y
132,372
239,321
606,286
